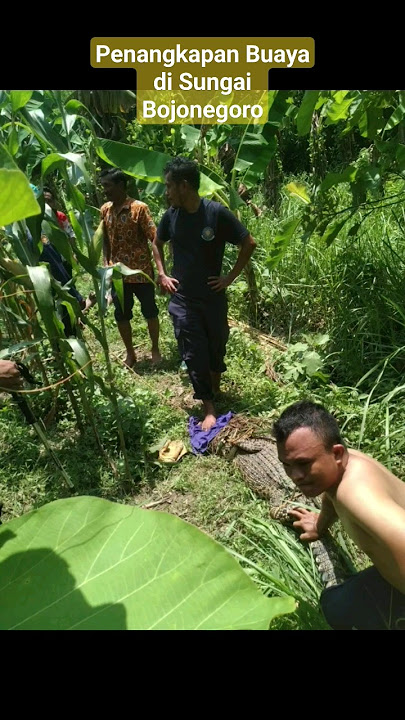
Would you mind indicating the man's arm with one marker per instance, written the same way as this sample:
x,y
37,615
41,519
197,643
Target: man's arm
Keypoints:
x,y
314,525
379,523
10,378
247,247
149,231
388,553
168,284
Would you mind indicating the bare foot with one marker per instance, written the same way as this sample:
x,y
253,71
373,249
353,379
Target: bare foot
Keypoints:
x,y
156,357
208,422
130,361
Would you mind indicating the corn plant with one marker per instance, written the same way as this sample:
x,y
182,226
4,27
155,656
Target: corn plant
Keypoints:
x,y
55,148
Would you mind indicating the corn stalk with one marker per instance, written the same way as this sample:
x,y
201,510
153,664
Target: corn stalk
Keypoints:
x,y
58,154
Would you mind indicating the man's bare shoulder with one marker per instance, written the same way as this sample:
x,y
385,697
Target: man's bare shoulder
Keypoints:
x,y
365,473
359,461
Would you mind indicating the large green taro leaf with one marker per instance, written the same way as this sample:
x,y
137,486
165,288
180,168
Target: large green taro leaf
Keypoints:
x,y
145,164
87,563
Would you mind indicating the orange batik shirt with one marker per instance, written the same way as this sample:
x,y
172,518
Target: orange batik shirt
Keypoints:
x,y
128,228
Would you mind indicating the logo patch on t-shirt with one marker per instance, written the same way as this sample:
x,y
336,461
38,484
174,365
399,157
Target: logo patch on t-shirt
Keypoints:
x,y
208,234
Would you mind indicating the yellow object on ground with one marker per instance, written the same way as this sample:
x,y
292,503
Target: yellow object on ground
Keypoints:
x,y
172,451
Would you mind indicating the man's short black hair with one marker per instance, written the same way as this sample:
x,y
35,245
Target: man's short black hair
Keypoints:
x,y
184,169
311,415
48,189
114,175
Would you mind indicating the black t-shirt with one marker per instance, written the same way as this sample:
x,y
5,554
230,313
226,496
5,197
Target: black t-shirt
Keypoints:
x,y
198,244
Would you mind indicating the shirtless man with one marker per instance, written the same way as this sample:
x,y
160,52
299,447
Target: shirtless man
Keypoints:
x,y
367,499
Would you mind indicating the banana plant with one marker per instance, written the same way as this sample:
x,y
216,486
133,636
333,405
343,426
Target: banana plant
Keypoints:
x,y
110,107
379,117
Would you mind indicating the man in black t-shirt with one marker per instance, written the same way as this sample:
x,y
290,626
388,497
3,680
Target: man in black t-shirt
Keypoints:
x,y
198,229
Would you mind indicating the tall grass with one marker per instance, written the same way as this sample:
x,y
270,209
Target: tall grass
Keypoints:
x,y
281,565
352,290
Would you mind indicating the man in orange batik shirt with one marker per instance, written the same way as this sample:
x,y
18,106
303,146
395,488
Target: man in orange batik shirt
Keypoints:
x,y
128,228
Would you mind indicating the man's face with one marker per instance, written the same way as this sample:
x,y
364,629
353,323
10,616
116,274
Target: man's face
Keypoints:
x,y
49,199
174,192
312,467
113,191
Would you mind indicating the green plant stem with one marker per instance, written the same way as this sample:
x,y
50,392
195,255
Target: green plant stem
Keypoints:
x,y
61,367
90,416
113,393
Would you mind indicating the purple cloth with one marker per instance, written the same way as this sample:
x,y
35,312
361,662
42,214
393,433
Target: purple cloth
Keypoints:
x,y
200,438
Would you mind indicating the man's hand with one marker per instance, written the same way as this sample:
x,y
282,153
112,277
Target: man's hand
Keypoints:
x,y
10,378
306,521
168,284
219,283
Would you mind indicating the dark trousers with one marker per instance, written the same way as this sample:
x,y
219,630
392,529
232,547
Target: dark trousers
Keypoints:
x,y
366,602
202,331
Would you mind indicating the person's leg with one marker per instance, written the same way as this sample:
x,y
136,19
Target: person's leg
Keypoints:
x,y
192,338
145,293
123,318
364,602
125,330
154,329
218,332
69,329
216,382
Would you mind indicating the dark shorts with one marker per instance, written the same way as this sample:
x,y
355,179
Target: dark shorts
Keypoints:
x,y
145,292
364,602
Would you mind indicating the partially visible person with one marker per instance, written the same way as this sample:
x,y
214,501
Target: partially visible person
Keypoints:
x,y
243,192
199,230
129,232
370,503
58,270
62,272
63,220
10,378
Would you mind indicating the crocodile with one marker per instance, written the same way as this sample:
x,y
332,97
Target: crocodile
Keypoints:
x,y
257,460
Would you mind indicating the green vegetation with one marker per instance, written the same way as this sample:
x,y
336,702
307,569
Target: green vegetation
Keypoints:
x,y
327,280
